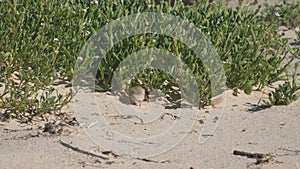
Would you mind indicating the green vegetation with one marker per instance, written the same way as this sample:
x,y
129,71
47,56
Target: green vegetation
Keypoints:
x,y
286,92
285,13
41,40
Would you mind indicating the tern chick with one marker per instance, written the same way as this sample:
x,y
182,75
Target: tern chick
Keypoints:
x,y
136,95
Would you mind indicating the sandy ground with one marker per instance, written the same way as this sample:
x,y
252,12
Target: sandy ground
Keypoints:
x,y
273,131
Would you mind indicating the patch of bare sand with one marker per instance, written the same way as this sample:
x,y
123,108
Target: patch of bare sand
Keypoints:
x,y
273,130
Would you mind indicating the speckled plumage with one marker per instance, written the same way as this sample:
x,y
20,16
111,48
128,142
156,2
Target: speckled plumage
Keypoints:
x,y
136,95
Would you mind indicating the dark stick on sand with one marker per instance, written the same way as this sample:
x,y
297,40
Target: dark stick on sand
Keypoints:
x,y
249,155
